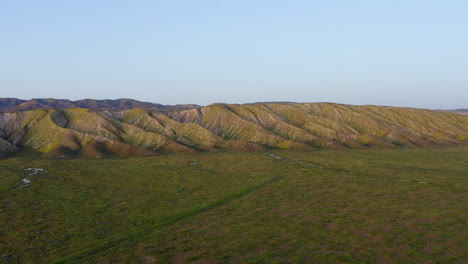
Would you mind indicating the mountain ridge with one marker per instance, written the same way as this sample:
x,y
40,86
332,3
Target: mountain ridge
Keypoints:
x,y
9,104
15,104
65,132
461,111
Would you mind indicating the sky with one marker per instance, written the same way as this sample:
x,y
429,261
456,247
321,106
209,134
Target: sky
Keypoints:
x,y
388,52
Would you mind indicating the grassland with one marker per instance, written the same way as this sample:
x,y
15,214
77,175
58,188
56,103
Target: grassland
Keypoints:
x,y
348,206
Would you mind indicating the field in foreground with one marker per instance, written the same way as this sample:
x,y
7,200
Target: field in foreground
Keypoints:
x,y
355,206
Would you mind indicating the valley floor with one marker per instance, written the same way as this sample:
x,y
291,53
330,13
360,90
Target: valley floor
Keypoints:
x,y
353,206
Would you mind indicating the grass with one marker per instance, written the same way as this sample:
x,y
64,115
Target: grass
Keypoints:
x,y
353,206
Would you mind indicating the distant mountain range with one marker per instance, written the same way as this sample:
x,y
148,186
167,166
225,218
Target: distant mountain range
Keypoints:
x,y
14,104
66,132
458,111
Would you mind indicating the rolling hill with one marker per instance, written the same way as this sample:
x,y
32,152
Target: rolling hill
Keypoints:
x,y
63,132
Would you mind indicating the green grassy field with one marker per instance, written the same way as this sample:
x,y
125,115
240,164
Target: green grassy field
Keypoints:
x,y
353,206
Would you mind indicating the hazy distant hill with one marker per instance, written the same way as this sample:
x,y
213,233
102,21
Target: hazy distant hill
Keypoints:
x,y
69,132
14,104
459,111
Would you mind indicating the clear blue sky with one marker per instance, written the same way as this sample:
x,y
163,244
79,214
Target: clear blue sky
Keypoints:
x,y
384,52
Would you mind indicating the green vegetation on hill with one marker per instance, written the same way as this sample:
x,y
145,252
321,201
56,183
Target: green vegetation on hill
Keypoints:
x,y
85,132
352,206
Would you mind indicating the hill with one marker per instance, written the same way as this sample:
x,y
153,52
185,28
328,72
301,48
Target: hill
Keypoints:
x,y
304,126
14,104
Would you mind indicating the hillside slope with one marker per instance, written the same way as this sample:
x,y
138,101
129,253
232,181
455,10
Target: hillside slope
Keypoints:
x,y
14,104
70,132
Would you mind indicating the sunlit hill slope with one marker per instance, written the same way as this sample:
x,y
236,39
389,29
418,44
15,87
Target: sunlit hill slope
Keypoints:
x,y
304,126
